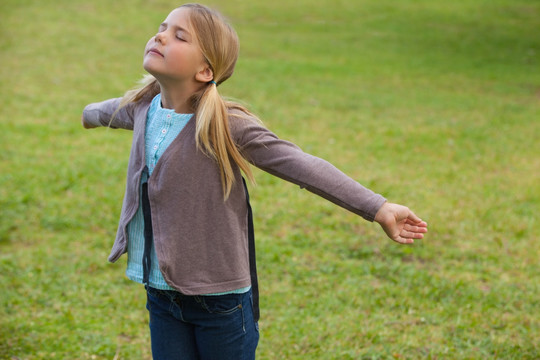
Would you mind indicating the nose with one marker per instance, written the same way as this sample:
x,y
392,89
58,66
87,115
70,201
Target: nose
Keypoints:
x,y
160,37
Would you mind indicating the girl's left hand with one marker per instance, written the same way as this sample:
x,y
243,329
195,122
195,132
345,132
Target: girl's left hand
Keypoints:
x,y
400,224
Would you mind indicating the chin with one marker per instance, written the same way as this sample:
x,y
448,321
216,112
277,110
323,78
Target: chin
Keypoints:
x,y
146,66
150,69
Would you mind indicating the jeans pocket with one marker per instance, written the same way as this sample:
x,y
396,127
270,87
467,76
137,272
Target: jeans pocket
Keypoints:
x,y
222,304
156,293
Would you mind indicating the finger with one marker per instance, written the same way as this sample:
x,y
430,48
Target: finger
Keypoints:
x,y
415,228
422,224
411,235
404,240
412,217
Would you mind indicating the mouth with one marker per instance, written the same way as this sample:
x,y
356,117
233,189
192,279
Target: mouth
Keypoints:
x,y
155,52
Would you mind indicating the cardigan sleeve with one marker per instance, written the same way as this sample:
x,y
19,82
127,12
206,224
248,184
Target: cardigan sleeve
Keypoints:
x,y
284,159
101,114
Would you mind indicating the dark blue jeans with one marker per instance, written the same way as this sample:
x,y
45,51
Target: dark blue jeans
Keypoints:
x,y
201,327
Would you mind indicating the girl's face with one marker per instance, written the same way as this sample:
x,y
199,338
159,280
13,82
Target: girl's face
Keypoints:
x,y
173,55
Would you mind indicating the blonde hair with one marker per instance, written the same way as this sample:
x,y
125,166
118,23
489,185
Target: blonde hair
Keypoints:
x,y
219,45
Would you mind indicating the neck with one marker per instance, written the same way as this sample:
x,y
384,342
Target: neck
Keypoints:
x,y
177,98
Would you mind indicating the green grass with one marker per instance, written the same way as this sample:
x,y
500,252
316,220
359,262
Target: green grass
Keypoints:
x,y
434,104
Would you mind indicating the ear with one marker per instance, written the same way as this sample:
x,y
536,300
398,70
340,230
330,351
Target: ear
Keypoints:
x,y
205,74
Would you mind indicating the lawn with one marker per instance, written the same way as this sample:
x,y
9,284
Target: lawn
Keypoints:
x,y
434,104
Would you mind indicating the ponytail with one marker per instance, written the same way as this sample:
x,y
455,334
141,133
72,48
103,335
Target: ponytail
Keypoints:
x,y
149,87
220,47
213,136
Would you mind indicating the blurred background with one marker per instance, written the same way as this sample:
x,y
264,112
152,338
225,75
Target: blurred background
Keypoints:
x,y
433,104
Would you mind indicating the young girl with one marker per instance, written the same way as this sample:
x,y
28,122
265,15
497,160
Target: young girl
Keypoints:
x,y
186,221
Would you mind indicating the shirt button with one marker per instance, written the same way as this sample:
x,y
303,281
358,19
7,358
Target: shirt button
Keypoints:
x,y
155,147
163,131
168,116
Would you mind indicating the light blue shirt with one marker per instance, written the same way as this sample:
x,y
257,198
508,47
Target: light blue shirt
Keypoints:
x,y
162,127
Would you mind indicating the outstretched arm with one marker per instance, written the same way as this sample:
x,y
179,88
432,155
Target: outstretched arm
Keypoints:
x,y
287,161
101,114
400,223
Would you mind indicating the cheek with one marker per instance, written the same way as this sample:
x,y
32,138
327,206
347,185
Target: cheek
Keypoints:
x,y
148,45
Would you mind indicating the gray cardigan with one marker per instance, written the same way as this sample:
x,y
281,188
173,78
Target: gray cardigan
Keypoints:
x,y
200,239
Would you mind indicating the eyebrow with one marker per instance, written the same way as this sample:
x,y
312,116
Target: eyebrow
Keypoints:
x,y
176,27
